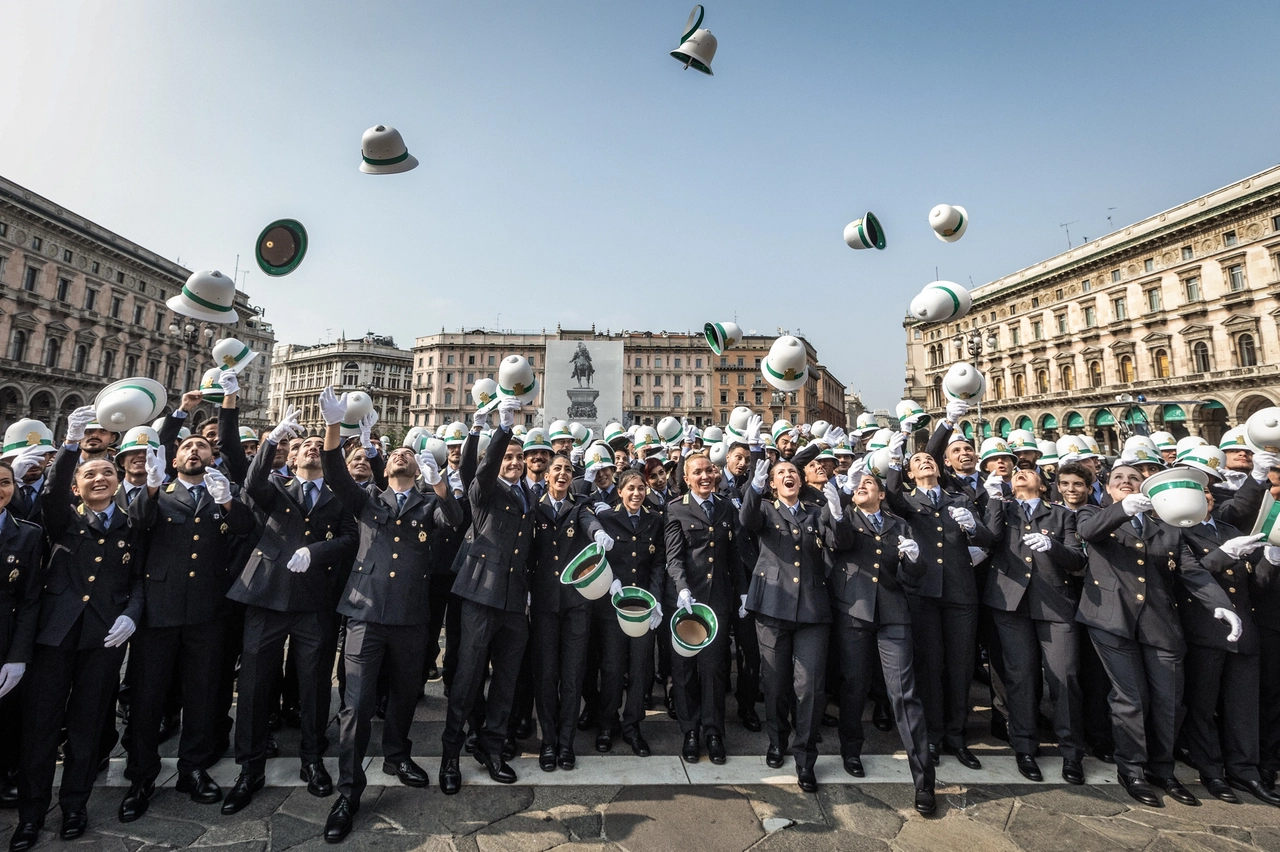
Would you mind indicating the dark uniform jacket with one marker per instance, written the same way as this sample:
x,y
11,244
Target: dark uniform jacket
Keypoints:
x,y
91,571
869,580
1264,590
1198,623
703,555
390,577
1130,588
189,553
21,547
1238,508
328,531
493,571
789,579
639,556
1048,582
944,545
948,478
557,539
32,509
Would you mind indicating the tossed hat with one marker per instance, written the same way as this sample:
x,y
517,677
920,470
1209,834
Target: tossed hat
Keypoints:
x,y
907,409
455,433
482,442
670,430
1048,452
208,295
1236,439
129,402
779,427
1177,495
949,222
842,449
786,365
1205,457
615,435
993,448
26,433
819,428
865,423
559,430
483,392
738,418
1023,441
811,451
941,301
697,46
864,233
712,435
248,436
598,455
1262,430
963,383
210,387
722,335
536,439
581,434
718,453
515,379
1268,522
411,437
879,439
1164,440
382,152
139,438
232,354
519,430
359,406
1185,444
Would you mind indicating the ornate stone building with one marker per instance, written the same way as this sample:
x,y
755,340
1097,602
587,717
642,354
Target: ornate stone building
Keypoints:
x,y
81,306
1171,323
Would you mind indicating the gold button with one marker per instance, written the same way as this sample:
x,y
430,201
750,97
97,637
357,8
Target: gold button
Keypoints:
x,y
1140,562
392,574
1142,579
1231,590
286,511
875,565
1028,575
795,579
1138,544
633,553
91,578
192,574
797,547
1139,597
556,558
1028,558
711,544
711,559
397,555
194,555
195,538
708,576
97,559
939,544
85,598
102,541
517,550
875,579
1229,572
198,520
877,538
939,529
397,538
1028,526
877,551
797,564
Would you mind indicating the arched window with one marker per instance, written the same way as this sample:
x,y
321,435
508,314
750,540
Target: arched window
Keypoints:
x,y
18,345
1042,381
1245,352
1019,384
1068,377
1095,374
109,364
130,365
1126,369
350,373
1161,361
170,375
1200,357
52,352
999,387
82,359
448,397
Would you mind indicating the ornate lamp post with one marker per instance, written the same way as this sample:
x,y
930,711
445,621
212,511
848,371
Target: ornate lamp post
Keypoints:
x,y
190,333
973,344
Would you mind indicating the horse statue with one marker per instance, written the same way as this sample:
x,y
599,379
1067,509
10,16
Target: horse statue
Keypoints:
x,y
583,371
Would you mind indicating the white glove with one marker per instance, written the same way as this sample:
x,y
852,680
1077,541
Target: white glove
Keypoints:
x,y
507,412
1136,504
955,410
976,555
804,429
155,467
994,486
615,587
119,632
576,454
896,443
590,474
1271,553
288,426
1237,626
25,460
909,424
300,561
689,431
1241,546
793,435
963,517
230,382
833,437
742,606
853,478
1039,542
333,408
218,486
366,433
602,506
76,421
908,548
604,540
1067,458
752,433
10,674
480,420
1262,464
761,476
455,480
832,493
430,468
655,620
685,601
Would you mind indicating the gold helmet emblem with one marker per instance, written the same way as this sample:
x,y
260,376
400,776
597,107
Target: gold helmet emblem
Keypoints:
x,y
33,439
518,390
1212,462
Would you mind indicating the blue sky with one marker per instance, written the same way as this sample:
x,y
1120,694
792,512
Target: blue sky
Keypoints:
x,y
572,173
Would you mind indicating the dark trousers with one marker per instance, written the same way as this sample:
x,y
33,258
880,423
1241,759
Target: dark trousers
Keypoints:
x,y
944,635
370,648
1095,686
1030,647
793,664
746,643
230,671
527,687
265,632
486,632
989,638
1269,699
858,643
11,726
1227,681
193,654
593,665
452,640
628,658
71,687
558,644
698,684
1146,702
438,602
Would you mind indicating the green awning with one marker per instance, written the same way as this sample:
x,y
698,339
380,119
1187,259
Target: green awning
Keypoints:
x,y
1213,405
1002,428
967,428
986,429
1075,420
1104,418
1174,414
1049,422
1024,422
1134,415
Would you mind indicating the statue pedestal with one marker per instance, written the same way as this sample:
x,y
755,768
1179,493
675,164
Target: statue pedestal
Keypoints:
x,y
582,403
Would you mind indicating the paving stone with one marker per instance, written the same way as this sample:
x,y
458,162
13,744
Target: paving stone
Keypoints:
x,y
558,800
380,841
521,833
770,801
951,832
593,846
1077,801
586,826
1037,830
851,809
95,841
232,831
303,806
1121,831
1179,842
989,806
1218,843
151,830
1240,835
807,837
663,818
289,831
431,812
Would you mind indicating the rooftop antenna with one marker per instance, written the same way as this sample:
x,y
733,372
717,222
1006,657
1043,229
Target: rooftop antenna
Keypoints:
x,y
1109,226
1066,226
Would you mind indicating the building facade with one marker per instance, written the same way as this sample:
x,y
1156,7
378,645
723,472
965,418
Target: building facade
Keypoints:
x,y
1172,323
81,306
372,364
737,380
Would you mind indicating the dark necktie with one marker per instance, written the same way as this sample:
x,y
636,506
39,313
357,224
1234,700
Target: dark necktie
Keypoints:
x,y
539,489
308,495
104,519
29,493
129,494
708,508
635,523
933,498
400,498
524,504
555,506
197,493
1137,524
875,523
1026,510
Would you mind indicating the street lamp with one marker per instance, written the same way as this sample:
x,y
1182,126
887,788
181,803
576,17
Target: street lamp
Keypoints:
x,y
190,334
972,343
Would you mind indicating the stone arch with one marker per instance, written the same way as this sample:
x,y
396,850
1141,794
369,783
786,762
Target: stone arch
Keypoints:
x,y
1251,404
12,405
43,407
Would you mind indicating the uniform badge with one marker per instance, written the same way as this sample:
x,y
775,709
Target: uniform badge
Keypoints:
x,y
569,532
422,536
223,529
120,543
413,523
13,575
126,559
652,550
216,516
328,536
11,559
1172,565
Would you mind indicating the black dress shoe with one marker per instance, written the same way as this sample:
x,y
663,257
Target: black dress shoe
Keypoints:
x,y
341,817
999,726
1259,790
715,749
203,789
450,776
692,750
524,728
774,757
934,756
639,745
509,748
587,720
566,759
966,757
8,794
319,783
136,800
433,674
470,743
273,747
241,793
1105,753
806,779
547,758
1138,789
1174,788
1028,767
853,765
1072,771
1268,778
751,721
1220,789
882,716
926,804
73,824
498,769
604,741
26,835
381,708
409,773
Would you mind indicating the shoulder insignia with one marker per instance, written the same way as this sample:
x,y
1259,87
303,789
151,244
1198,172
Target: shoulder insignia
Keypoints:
x,y
169,490
80,509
